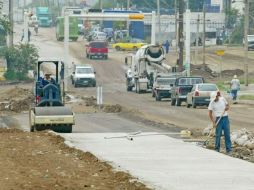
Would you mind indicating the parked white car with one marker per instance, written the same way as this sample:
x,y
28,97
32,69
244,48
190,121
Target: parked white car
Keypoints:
x,y
200,94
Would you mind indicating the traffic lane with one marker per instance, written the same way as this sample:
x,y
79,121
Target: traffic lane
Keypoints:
x,y
110,74
114,89
94,123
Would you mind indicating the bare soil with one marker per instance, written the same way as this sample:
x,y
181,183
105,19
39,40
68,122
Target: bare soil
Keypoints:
x,y
41,160
15,99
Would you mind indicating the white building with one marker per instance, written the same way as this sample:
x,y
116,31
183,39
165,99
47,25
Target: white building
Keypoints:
x,y
214,24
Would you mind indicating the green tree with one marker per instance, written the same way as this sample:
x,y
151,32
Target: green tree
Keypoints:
x,y
20,59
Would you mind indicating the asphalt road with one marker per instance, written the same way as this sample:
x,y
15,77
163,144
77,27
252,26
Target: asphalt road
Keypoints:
x,y
110,74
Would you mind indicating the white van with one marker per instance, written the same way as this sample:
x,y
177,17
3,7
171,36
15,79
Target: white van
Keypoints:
x,y
99,36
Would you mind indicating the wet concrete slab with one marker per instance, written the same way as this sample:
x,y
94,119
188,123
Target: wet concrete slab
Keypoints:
x,y
167,163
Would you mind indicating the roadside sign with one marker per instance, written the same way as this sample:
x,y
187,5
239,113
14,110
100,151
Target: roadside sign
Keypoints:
x,y
136,16
220,52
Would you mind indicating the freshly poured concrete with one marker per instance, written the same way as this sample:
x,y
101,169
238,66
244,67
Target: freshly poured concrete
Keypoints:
x,y
162,162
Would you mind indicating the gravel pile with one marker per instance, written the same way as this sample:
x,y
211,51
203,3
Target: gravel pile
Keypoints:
x,y
242,142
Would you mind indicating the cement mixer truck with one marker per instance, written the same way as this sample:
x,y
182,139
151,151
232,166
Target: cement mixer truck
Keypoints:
x,y
148,62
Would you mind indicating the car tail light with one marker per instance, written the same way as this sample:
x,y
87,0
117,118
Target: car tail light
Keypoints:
x,y
38,98
196,93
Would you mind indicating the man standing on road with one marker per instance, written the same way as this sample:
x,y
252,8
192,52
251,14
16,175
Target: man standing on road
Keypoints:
x,y
218,108
234,86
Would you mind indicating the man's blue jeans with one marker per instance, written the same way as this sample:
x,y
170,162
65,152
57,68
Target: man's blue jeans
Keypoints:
x,y
234,94
223,125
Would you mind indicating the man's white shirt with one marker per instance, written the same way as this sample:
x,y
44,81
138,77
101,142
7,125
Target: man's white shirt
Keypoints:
x,y
218,107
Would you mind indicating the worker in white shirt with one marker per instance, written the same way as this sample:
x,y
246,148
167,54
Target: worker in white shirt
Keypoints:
x,y
218,108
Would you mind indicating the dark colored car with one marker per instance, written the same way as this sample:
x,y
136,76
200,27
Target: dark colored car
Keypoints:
x,y
251,45
98,49
162,87
182,87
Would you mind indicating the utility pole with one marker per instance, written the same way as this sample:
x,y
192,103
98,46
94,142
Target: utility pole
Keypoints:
x,y
187,41
128,22
128,4
11,23
58,7
197,40
176,24
159,20
204,31
101,4
180,34
246,30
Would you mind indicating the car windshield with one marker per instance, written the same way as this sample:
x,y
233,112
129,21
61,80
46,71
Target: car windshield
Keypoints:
x,y
98,45
190,81
84,70
207,87
165,81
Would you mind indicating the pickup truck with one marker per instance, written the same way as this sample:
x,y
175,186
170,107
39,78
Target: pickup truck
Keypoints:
x,y
97,48
182,87
162,87
83,75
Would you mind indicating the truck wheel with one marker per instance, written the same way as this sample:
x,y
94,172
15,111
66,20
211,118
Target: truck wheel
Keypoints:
x,y
173,101
129,88
153,94
31,128
118,48
178,102
158,97
194,103
67,129
138,88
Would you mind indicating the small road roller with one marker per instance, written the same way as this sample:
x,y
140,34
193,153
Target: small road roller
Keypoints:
x,y
49,111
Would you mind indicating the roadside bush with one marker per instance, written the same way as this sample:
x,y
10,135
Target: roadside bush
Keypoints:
x,y
20,59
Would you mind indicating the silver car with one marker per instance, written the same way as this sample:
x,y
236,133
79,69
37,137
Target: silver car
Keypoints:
x,y
200,94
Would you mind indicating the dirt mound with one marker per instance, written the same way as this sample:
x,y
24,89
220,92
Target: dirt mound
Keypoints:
x,y
112,108
231,73
206,72
32,165
202,70
89,101
16,99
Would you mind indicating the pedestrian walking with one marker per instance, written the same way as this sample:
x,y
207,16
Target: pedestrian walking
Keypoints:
x,y
218,108
234,87
166,45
